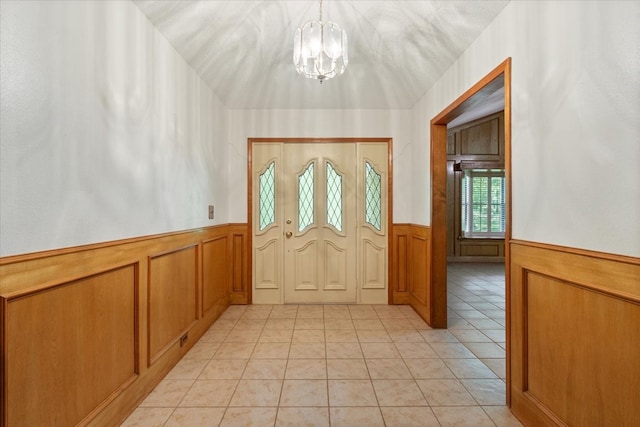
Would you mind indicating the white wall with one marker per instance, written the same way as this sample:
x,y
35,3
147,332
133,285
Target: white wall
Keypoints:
x,y
396,124
106,133
576,120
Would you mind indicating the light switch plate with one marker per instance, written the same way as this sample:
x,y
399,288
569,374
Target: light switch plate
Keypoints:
x,y
211,212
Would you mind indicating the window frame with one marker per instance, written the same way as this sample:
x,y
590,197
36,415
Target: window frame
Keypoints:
x,y
489,172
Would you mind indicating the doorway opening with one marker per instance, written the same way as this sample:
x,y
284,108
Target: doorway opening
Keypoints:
x,y
497,81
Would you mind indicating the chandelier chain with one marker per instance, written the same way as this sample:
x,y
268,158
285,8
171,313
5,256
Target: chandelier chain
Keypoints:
x,y
320,11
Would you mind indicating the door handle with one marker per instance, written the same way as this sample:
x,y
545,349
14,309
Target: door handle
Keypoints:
x,y
288,234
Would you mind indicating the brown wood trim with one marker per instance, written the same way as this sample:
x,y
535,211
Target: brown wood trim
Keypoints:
x,y
11,259
577,251
251,141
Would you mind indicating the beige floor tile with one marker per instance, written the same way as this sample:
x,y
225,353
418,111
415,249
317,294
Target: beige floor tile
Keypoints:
x,y
420,324
311,350
373,335
302,417
250,324
195,417
356,417
428,369
340,335
351,393
215,335
405,335
438,335
501,416
304,393
202,350
462,416
224,323
485,323
445,393
277,323
449,350
257,393
187,369
469,368
341,350
309,369
267,369
223,369
498,366
148,417
307,312
398,393
389,312
243,335
487,350
388,369
336,312
415,350
331,323
368,324
487,392
416,416
286,312
470,335
308,335
234,350
209,393
304,323
397,325
249,417
352,369
168,393
276,335
379,350
271,350
362,312
256,314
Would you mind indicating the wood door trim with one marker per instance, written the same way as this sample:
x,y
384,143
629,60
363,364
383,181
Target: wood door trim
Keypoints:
x,y
438,152
390,251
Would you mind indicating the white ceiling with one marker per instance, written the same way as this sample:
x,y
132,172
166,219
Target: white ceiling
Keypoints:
x,y
397,49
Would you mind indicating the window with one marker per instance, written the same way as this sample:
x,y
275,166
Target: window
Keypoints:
x,y
373,197
334,197
267,206
483,203
305,198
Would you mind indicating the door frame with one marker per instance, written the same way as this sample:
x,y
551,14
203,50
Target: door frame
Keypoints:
x,y
251,141
438,126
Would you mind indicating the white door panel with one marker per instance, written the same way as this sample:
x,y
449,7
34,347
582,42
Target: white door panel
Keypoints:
x,y
319,222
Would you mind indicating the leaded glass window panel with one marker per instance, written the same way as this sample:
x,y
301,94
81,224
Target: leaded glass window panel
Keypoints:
x,y
334,197
305,198
267,199
373,197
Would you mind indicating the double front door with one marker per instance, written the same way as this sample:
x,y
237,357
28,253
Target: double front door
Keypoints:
x,y
319,222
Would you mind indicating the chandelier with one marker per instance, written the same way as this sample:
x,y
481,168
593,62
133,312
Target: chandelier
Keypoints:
x,y
320,49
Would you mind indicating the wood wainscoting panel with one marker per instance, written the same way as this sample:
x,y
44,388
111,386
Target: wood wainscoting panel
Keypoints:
x,y
575,336
172,298
70,348
410,268
239,252
215,272
80,324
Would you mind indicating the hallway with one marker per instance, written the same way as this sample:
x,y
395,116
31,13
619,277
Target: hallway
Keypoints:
x,y
345,365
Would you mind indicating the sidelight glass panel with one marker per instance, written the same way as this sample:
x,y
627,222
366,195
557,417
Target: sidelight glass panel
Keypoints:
x,y
267,199
334,197
305,198
373,197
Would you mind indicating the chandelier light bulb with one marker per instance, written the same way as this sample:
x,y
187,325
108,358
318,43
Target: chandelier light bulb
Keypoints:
x,y
320,49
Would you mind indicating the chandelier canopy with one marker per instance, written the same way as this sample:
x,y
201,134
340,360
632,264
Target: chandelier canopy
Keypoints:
x,y
320,49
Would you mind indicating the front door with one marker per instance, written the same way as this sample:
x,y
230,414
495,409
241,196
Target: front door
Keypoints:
x,y
319,234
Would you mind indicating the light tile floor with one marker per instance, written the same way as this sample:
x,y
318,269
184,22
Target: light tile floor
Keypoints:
x,y
345,365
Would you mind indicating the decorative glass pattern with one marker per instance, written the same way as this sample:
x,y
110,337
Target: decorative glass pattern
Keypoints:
x,y
373,197
267,207
305,198
334,197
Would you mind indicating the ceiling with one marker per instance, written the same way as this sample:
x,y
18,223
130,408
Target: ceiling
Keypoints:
x,y
397,49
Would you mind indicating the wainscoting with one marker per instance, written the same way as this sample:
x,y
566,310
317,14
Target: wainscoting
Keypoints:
x,y
575,335
88,332
411,268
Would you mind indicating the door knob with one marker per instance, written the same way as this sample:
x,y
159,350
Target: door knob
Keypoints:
x,y
288,234
289,221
